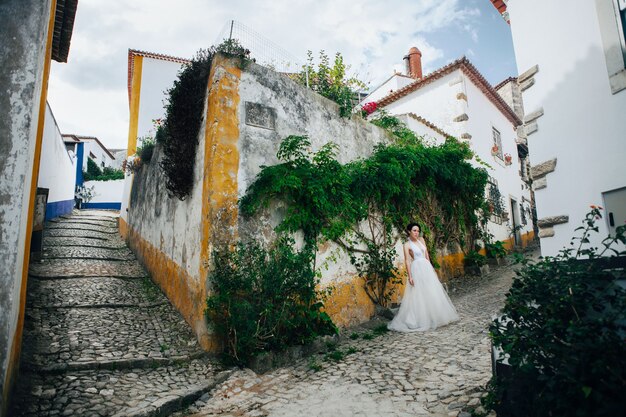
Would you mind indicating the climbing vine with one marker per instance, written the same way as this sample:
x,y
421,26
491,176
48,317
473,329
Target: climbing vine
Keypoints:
x,y
401,182
178,133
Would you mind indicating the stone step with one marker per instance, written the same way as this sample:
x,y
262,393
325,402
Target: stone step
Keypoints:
x,y
72,268
87,221
82,226
90,242
96,291
134,392
63,232
58,336
82,252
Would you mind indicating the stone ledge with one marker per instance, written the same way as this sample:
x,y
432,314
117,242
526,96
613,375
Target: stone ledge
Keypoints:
x,y
534,115
178,400
527,84
547,222
530,128
540,183
466,136
59,368
461,96
546,232
461,118
543,169
528,73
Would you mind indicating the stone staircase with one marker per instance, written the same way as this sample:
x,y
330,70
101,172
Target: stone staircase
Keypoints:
x,y
100,339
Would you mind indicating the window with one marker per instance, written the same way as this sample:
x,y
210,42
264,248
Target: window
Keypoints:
x,y
495,201
612,23
497,143
102,163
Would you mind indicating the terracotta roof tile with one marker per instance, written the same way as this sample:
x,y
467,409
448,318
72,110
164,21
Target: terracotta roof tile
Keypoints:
x,y
428,124
471,72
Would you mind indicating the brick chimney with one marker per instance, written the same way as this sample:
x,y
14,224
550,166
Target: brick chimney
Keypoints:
x,y
413,63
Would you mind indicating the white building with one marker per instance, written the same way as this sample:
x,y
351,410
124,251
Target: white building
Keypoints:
x,y
571,60
92,149
457,101
57,169
150,76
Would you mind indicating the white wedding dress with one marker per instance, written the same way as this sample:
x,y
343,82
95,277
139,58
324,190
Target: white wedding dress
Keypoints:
x,y
426,304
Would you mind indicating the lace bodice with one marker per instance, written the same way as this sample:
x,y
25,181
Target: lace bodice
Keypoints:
x,y
417,248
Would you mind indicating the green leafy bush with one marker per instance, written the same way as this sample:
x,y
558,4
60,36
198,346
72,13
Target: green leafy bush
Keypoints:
x,y
473,258
495,250
331,81
563,330
94,173
146,150
265,299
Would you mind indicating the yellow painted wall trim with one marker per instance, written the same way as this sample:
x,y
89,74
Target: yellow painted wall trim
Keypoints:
x,y
134,104
221,160
15,350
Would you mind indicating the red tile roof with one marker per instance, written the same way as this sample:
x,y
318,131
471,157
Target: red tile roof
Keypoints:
x,y
471,72
500,6
429,124
132,53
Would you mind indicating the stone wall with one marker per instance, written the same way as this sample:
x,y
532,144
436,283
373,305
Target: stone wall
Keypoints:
x,y
24,65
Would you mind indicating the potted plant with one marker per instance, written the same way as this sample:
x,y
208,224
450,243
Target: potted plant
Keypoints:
x,y
495,150
508,159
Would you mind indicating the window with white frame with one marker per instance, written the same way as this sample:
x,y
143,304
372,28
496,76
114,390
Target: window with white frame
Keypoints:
x,y
496,149
612,20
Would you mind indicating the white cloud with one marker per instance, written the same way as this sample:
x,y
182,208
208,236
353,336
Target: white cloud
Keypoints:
x,y
88,94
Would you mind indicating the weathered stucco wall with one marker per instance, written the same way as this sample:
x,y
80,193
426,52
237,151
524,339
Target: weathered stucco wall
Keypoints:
x,y
24,62
272,107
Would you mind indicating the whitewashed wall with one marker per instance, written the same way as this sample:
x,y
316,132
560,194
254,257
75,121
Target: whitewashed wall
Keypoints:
x,y
430,135
393,83
483,116
583,123
57,170
106,191
91,146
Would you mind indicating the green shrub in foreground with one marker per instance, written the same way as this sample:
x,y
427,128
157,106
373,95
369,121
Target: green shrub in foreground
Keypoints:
x,y
563,330
265,300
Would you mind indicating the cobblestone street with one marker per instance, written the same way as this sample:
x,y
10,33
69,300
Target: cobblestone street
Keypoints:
x,y
101,340
436,373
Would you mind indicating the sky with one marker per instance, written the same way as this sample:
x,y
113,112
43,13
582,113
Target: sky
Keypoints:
x,y
88,94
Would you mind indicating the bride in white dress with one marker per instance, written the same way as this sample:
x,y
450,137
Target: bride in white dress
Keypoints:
x,y
425,303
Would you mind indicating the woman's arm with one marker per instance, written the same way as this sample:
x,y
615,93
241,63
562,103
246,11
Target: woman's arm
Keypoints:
x,y
407,262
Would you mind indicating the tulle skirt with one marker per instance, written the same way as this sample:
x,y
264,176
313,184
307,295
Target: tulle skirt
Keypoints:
x,y
425,305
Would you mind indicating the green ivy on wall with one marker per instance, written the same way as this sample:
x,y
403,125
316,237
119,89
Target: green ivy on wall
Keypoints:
x,y
399,183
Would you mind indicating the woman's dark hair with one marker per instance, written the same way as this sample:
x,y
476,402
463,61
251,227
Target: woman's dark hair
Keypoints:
x,y
410,226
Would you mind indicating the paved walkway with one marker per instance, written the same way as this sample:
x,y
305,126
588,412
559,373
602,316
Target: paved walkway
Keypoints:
x,y
436,373
100,339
